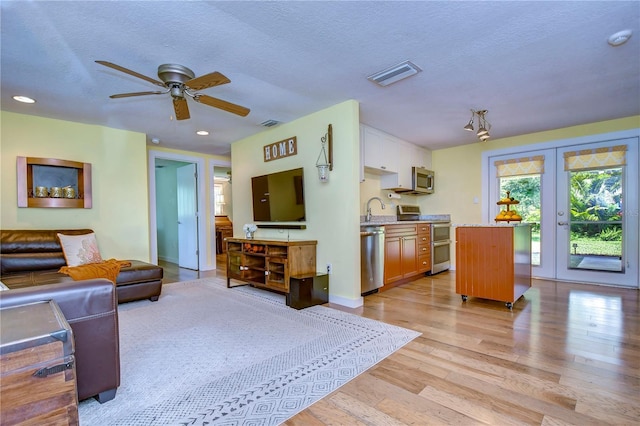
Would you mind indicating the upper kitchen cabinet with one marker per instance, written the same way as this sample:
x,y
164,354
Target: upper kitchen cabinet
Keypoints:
x,y
391,157
379,151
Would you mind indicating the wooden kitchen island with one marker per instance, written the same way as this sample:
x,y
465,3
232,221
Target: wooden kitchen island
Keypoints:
x,y
493,261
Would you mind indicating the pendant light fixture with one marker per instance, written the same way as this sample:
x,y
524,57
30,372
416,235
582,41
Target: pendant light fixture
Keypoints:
x,y
483,125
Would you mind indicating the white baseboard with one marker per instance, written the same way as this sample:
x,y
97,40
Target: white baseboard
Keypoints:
x,y
349,303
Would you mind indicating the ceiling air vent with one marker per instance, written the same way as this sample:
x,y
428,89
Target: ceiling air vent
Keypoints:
x,y
270,123
395,73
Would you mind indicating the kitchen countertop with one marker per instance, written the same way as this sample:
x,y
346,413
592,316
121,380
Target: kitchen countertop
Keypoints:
x,y
393,220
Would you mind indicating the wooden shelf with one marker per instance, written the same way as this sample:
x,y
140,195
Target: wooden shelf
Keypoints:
x,y
49,172
269,263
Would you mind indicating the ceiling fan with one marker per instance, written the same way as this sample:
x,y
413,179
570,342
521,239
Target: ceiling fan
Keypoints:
x,y
179,81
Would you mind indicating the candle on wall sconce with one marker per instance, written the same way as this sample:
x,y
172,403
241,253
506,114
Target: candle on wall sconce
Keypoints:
x,y
324,163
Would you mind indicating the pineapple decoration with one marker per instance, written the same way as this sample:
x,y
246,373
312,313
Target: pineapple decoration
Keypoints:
x,y
508,215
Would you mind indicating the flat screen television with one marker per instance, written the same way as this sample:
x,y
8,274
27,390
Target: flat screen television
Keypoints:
x,y
279,197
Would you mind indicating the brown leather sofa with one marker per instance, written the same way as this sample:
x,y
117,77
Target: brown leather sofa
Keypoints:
x,y
33,258
91,308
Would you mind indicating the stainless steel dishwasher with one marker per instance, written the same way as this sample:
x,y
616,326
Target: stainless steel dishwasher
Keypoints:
x,y
371,258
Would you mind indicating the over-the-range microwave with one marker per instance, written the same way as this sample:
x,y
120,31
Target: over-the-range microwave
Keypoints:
x,y
422,182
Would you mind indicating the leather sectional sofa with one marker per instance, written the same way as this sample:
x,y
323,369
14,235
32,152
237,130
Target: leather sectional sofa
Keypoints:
x,y
91,309
33,257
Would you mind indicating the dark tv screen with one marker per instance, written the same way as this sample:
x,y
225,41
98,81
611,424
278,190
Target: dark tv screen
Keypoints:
x,y
279,197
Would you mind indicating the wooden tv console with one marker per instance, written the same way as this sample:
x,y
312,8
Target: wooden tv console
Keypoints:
x,y
269,264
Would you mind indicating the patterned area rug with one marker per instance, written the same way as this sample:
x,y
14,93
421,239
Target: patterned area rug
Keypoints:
x,y
204,355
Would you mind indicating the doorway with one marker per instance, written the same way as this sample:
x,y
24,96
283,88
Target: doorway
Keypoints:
x,y
581,201
223,209
161,157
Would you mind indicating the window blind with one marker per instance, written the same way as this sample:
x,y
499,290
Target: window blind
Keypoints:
x,y
597,158
520,166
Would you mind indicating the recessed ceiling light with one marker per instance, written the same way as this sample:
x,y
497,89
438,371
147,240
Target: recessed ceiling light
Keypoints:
x,y
24,99
202,133
619,38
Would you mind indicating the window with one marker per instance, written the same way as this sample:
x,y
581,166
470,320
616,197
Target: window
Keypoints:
x,y
218,191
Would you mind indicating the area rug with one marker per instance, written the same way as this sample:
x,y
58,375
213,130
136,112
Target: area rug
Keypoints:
x,y
205,355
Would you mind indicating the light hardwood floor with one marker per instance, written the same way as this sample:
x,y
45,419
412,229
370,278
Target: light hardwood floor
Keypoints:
x,y
566,354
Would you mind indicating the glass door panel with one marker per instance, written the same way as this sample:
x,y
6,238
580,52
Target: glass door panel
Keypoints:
x,y
595,223
526,189
596,218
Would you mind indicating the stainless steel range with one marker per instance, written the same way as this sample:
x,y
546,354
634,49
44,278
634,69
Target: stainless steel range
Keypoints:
x,y
440,237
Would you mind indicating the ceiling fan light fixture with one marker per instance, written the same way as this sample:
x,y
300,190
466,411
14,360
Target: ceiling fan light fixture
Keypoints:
x,y
395,73
179,81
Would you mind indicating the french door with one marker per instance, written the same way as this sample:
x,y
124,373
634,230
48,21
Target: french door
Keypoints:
x,y
582,204
597,213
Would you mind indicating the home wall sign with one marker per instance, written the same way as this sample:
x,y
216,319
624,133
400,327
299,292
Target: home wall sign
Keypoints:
x,y
282,149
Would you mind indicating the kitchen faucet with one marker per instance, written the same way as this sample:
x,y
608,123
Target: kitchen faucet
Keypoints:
x,y
368,218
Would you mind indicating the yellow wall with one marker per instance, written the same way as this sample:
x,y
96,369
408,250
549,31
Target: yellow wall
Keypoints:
x,y
332,208
459,170
120,210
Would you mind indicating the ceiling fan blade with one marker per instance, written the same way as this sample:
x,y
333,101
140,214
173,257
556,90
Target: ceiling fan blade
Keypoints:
x,y
207,80
181,108
127,95
128,71
224,105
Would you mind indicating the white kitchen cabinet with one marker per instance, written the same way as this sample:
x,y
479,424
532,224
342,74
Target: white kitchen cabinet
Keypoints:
x,y
380,156
409,156
390,157
418,156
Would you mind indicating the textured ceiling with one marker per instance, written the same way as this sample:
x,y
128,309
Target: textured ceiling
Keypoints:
x,y
534,65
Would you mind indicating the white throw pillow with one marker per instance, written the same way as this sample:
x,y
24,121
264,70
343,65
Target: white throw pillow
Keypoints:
x,y
80,249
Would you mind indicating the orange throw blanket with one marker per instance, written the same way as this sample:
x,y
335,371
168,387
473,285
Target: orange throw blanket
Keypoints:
x,y
108,269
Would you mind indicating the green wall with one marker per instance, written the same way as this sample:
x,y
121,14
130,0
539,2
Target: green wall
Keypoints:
x,y
120,213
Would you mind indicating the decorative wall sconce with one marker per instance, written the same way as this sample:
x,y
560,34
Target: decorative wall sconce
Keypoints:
x,y
324,163
483,125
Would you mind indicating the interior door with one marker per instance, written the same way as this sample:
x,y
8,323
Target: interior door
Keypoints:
x,y
596,213
187,217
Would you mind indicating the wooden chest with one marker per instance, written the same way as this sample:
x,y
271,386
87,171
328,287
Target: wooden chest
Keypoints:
x,y
37,366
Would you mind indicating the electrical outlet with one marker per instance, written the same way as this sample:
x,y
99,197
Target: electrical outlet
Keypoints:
x,y
329,268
